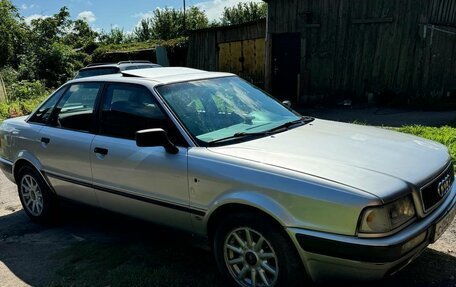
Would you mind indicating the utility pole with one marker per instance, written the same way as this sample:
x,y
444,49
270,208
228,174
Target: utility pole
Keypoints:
x,y
185,20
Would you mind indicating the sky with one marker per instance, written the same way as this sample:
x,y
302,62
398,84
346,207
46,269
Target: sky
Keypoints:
x,y
104,14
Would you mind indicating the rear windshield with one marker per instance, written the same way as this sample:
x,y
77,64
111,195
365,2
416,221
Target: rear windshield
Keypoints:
x,y
138,67
97,72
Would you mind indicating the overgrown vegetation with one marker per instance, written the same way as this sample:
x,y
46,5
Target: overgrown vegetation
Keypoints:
x,y
244,12
39,56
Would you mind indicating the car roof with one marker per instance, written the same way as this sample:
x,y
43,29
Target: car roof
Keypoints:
x,y
161,75
118,65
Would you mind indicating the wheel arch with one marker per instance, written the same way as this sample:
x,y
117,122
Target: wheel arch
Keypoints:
x,y
248,202
280,220
26,159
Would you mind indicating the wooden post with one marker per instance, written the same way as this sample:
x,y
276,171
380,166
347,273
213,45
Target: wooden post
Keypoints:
x,y
3,93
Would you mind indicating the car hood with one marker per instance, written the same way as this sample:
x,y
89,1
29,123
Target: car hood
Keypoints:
x,y
378,161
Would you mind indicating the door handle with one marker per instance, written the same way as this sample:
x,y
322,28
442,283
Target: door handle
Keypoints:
x,y
102,151
45,140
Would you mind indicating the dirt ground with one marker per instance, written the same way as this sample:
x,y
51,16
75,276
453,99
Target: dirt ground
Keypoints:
x,y
34,255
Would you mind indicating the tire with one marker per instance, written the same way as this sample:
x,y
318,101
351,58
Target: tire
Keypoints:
x,y
275,254
37,199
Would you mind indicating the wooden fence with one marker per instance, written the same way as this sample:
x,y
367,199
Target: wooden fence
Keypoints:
x,y
360,47
238,49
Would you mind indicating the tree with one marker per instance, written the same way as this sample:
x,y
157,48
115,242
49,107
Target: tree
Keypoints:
x,y
168,24
115,36
57,63
46,31
143,31
54,56
80,35
244,12
195,18
13,34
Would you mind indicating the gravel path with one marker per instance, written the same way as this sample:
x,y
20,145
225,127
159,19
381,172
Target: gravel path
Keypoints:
x,y
27,250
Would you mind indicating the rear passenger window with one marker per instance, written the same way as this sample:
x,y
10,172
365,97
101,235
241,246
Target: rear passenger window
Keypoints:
x,y
75,110
127,109
42,115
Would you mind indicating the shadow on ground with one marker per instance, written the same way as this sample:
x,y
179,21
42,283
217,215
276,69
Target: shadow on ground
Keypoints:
x,y
96,248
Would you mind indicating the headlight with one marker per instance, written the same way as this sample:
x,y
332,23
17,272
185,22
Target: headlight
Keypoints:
x,y
382,219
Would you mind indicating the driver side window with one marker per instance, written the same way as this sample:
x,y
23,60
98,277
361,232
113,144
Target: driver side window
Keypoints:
x,y
128,108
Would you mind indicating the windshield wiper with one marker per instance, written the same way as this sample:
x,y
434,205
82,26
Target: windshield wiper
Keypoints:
x,y
239,135
287,125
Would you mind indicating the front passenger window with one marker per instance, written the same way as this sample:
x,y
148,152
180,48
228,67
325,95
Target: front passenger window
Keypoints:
x,y
127,109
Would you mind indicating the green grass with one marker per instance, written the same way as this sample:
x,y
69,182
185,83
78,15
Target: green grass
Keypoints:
x,y
445,135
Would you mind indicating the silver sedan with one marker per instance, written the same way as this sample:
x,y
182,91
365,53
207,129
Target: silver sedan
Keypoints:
x,y
281,198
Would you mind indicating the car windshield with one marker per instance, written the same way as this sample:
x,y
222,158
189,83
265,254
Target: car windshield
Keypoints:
x,y
97,72
219,108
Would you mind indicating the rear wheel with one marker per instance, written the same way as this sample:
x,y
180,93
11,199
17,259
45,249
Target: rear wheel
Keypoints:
x,y
36,198
252,251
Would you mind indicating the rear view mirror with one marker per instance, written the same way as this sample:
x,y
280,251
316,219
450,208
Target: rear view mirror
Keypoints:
x,y
155,137
287,103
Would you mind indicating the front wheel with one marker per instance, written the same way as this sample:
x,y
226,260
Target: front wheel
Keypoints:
x,y
253,251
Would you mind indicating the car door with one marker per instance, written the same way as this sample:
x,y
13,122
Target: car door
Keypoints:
x,y
145,182
66,141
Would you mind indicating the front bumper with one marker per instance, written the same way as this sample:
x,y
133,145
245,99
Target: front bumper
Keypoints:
x,y
331,256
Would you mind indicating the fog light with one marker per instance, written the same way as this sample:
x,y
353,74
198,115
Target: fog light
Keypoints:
x,y
413,243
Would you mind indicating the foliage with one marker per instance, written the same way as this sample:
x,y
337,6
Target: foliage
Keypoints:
x,y
25,90
81,35
46,31
195,18
57,63
169,23
144,30
244,12
9,75
54,57
445,135
134,46
115,36
23,98
13,34
137,50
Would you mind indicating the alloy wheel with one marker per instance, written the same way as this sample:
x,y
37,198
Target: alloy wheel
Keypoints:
x,y
31,195
250,258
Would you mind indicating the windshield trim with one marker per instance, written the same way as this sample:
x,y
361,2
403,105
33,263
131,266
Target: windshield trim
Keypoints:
x,y
199,143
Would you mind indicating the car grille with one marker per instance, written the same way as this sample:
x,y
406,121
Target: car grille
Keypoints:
x,y
430,192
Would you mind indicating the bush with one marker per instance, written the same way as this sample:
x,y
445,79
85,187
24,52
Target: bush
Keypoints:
x,y
23,98
19,108
142,51
26,90
9,76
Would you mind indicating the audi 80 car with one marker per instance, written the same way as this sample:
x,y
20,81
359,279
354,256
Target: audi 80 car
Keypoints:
x,y
281,198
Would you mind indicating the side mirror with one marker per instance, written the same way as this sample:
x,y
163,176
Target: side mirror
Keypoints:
x,y
287,103
155,137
